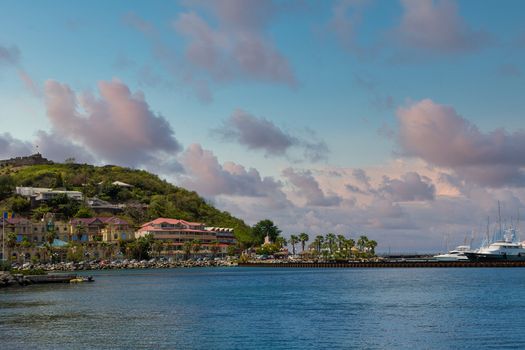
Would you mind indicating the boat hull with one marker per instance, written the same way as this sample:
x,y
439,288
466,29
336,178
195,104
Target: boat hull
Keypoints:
x,y
495,257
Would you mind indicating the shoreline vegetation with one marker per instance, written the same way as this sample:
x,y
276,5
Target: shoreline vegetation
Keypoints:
x,y
53,232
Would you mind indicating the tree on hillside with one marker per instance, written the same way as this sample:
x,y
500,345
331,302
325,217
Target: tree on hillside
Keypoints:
x,y
303,237
265,228
84,212
18,204
7,186
59,181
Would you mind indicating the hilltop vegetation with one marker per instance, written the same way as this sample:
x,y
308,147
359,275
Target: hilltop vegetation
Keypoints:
x,y
149,198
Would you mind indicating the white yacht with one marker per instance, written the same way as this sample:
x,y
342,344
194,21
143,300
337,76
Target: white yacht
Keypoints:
x,y
505,249
456,254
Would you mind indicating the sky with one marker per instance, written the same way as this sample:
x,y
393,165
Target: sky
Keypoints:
x,y
400,120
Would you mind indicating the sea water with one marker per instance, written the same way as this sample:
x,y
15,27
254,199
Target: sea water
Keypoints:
x,y
271,308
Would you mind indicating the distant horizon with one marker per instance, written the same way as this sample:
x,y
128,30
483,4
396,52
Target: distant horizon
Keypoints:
x,y
401,120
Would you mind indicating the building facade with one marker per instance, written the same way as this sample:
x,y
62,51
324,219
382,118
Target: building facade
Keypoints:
x,y
107,229
176,236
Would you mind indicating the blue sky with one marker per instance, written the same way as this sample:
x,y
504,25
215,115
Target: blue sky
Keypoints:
x,y
303,92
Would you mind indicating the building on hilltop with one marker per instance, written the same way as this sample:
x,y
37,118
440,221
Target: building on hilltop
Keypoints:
x,y
100,206
39,194
34,159
176,233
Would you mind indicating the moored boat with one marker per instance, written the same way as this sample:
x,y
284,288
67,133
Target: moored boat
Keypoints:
x,y
457,254
506,249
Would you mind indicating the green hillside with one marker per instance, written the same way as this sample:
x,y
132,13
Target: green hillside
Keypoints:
x,y
149,198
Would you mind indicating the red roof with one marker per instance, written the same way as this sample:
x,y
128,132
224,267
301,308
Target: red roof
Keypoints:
x,y
168,229
171,222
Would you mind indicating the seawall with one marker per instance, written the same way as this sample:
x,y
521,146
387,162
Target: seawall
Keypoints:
x,y
386,264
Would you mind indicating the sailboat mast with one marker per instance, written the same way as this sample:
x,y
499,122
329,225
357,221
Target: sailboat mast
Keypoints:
x,y
499,219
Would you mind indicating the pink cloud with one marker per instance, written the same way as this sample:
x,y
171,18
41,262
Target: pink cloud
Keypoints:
x,y
29,83
308,187
410,187
237,46
117,126
207,176
440,136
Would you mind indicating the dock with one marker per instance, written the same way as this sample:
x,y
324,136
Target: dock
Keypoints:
x,y
387,264
51,278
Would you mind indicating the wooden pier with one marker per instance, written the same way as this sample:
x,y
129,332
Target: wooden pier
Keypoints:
x,y
386,264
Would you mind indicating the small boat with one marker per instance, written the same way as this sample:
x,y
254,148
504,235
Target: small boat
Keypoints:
x,y
457,254
82,279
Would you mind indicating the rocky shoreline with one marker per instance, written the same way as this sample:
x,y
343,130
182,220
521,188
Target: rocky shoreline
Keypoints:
x,y
7,279
124,264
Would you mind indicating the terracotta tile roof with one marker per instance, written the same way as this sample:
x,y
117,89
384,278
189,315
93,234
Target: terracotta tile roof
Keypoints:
x,y
172,222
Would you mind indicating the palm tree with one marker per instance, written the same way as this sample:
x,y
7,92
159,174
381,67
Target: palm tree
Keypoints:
x,y
303,237
214,248
196,246
51,235
293,241
341,242
79,231
11,240
187,249
349,244
157,247
361,242
318,243
280,241
371,246
330,238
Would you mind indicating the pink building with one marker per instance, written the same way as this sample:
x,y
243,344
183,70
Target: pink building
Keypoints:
x,y
174,233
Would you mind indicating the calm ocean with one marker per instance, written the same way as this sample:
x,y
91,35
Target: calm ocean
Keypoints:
x,y
261,308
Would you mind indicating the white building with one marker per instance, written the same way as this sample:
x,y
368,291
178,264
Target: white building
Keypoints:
x,y
44,194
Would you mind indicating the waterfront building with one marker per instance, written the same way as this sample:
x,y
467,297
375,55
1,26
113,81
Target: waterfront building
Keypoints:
x,y
117,229
108,229
174,234
31,231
